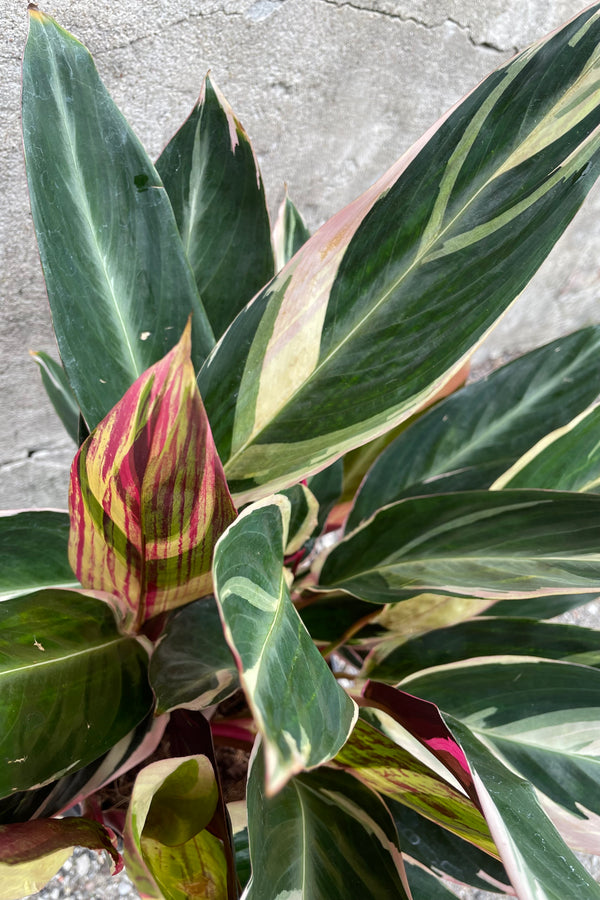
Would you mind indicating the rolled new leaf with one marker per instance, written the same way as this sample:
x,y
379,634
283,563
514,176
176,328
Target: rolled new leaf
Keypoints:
x,y
148,498
382,305
289,232
119,284
493,545
303,714
214,184
168,850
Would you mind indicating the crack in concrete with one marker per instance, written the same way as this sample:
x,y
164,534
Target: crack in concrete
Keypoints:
x,y
486,45
175,24
49,454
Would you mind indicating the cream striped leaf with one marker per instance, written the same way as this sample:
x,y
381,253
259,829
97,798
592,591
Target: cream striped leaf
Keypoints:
x,y
301,711
568,459
383,304
488,544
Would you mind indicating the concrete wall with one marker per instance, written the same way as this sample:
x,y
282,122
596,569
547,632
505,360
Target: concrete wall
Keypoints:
x,y
331,93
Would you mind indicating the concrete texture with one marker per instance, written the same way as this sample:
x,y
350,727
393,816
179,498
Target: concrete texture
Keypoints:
x,y
331,93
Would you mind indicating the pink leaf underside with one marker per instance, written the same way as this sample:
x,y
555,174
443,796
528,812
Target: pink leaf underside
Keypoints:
x,y
148,498
423,720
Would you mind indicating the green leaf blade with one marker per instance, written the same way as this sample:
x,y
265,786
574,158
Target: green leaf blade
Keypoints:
x,y
430,257
303,714
83,685
119,284
489,544
192,665
213,181
568,459
59,392
467,440
330,838
34,552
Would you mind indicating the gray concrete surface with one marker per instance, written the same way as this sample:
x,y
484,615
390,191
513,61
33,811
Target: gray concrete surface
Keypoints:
x,y
331,93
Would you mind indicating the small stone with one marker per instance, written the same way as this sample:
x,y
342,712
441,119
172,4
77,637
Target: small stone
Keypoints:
x,y
82,864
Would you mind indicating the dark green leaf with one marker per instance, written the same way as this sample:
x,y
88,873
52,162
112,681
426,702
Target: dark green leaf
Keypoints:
x,y
327,487
71,686
488,544
289,232
424,885
329,838
445,853
119,284
59,392
472,437
192,665
33,552
485,637
566,460
212,178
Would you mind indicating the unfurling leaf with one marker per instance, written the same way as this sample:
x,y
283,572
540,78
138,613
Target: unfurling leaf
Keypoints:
x,y
148,497
168,850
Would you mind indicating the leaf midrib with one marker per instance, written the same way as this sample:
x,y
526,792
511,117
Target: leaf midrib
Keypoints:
x,y
65,658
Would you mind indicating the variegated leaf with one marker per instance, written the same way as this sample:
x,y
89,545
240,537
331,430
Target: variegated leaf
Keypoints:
x,y
148,498
289,232
383,304
303,714
213,181
169,852
119,283
392,661
395,771
329,838
540,716
537,860
192,666
466,441
486,544
568,459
